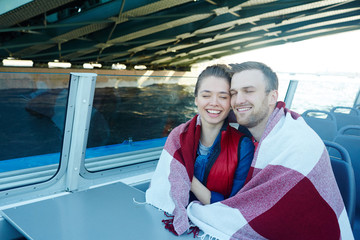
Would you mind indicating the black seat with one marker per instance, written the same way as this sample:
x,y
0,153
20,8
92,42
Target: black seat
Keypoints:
x,y
345,178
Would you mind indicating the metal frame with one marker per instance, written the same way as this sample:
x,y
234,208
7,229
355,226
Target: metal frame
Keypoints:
x,y
164,34
82,114
290,93
357,99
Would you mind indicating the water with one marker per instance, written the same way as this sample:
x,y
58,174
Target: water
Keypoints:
x,y
33,126
144,113
25,133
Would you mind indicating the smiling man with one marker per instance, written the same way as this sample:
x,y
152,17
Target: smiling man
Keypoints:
x,y
290,191
253,96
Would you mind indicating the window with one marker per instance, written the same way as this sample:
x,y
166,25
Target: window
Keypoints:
x,y
324,92
32,116
131,117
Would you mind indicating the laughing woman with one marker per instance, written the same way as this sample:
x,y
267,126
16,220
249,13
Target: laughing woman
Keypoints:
x,y
214,157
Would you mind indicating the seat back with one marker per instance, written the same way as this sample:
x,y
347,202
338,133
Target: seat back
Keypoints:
x,y
322,122
352,144
349,130
344,175
346,116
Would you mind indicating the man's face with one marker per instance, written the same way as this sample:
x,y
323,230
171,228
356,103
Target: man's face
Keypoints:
x,y
249,99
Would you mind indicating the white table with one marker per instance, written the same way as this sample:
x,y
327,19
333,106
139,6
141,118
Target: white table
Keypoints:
x,y
107,212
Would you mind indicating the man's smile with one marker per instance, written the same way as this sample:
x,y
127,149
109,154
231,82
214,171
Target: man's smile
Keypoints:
x,y
242,109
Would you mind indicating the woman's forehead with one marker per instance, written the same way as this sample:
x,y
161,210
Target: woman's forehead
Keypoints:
x,y
213,82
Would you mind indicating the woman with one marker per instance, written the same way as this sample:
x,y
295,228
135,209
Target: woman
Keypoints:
x,y
214,157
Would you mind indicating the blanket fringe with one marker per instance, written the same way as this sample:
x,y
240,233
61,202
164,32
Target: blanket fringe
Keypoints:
x,y
169,224
194,230
202,237
141,203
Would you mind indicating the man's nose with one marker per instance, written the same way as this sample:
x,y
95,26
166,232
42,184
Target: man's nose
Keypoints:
x,y
239,98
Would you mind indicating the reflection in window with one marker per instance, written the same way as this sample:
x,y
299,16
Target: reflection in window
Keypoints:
x,y
32,116
130,118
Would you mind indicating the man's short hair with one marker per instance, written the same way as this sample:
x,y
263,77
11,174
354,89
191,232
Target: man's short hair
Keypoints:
x,y
270,75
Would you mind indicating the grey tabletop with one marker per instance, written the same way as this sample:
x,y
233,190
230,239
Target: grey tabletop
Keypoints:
x,y
108,212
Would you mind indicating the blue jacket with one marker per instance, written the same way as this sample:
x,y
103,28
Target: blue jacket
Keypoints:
x,y
224,169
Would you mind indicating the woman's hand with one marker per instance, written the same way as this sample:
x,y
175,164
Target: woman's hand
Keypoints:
x,y
200,191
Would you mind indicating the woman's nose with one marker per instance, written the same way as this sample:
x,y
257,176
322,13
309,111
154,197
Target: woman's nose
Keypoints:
x,y
214,100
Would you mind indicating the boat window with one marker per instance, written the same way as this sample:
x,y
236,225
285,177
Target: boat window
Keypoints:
x,y
32,114
323,92
135,113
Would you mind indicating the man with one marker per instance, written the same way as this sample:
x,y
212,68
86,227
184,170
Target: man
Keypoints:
x,y
253,96
290,191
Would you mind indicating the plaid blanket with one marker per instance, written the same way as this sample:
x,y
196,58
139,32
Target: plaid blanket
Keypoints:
x,y
170,185
290,193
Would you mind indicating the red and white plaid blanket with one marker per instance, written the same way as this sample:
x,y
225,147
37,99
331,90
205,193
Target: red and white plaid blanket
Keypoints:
x,y
291,192
170,185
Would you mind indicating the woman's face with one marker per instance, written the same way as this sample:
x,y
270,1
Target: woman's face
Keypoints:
x,y
213,100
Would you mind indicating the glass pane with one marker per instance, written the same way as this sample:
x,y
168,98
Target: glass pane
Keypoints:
x,y
284,80
32,117
323,92
127,117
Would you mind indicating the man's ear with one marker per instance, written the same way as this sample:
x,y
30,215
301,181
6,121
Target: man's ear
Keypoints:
x,y
273,97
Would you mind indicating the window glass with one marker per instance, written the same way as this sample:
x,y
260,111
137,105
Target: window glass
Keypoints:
x,y
132,113
323,92
32,116
284,81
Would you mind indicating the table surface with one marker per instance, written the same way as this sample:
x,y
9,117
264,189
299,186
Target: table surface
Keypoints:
x,y
108,212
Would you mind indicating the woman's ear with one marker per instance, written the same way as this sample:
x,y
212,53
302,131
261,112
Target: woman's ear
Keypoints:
x,y
196,101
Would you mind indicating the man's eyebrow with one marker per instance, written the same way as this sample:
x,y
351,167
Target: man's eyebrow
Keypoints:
x,y
246,87
249,87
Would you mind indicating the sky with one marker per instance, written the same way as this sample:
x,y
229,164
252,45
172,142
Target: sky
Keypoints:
x,y
330,54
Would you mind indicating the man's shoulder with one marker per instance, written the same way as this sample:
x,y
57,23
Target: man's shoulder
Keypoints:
x,y
292,129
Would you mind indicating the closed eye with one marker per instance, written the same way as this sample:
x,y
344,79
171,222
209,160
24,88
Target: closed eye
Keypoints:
x,y
249,89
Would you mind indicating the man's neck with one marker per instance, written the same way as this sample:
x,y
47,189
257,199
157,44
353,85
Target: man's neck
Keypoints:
x,y
257,132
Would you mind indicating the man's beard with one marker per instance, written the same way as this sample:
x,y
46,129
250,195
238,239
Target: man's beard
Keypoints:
x,y
254,119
